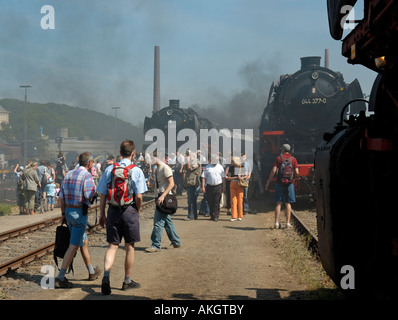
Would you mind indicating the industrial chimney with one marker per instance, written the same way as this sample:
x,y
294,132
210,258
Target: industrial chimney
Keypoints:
x,y
156,82
327,58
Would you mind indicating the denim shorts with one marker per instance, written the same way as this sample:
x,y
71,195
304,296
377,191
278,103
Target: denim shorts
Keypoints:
x,y
77,223
284,193
50,200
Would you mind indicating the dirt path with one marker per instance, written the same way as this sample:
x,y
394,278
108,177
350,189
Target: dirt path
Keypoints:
x,y
217,261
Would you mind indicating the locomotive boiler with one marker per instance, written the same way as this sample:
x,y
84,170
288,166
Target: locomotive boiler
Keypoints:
x,y
300,108
355,165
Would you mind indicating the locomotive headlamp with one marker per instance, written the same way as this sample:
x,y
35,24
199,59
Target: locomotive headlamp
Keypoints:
x,y
381,62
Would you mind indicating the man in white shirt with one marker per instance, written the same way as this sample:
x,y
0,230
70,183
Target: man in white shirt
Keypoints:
x,y
214,179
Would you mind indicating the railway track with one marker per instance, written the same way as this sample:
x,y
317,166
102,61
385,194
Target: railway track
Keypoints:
x,y
305,223
38,245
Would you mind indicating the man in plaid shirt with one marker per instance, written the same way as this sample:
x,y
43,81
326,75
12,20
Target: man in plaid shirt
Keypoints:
x,y
76,190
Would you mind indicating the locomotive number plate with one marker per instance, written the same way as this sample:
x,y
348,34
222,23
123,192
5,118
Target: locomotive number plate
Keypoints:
x,y
314,101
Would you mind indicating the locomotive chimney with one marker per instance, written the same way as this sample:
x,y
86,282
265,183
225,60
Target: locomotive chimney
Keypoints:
x,y
174,103
310,62
156,82
327,58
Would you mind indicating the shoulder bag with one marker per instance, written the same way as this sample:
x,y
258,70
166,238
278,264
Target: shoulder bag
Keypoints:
x,y
243,182
169,205
62,240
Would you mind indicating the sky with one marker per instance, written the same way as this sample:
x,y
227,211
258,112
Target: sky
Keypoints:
x,y
100,53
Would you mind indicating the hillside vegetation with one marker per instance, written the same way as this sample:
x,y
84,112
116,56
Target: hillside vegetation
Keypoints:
x,y
81,122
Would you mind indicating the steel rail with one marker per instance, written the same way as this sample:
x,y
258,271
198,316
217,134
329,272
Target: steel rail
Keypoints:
x,y
26,258
36,254
303,228
28,228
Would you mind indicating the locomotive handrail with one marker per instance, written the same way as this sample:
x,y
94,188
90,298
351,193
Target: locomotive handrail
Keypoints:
x,y
345,106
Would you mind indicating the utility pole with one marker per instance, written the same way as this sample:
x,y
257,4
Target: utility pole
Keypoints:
x,y
114,136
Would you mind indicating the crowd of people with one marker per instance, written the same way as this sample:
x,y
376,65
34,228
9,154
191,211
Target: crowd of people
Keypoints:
x,y
36,187
120,183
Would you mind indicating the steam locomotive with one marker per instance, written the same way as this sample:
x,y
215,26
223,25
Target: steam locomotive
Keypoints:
x,y
184,119
300,108
355,165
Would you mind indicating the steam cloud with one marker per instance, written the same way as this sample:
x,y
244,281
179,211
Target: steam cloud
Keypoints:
x,y
244,109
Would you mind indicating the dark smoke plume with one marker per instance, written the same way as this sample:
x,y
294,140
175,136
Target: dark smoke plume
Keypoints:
x,y
244,109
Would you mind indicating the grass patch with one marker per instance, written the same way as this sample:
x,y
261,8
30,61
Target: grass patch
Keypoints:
x,y
307,269
5,209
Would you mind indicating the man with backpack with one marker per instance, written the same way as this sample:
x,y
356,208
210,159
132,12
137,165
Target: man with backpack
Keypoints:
x,y
121,186
286,165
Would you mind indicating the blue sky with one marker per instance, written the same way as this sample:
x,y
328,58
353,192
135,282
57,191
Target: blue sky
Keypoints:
x,y
100,54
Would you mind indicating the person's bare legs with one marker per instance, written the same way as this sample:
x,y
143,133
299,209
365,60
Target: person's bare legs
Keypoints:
x,y
110,258
129,260
277,212
288,209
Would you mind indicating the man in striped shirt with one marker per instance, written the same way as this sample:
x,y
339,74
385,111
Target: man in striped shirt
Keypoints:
x,y
76,190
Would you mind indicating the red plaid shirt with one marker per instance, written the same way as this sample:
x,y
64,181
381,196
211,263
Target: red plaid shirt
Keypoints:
x,y
77,187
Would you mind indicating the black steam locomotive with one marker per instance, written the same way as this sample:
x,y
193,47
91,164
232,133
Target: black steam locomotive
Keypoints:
x,y
355,166
184,119
301,107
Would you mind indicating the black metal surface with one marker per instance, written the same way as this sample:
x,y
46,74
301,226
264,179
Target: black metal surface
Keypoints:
x,y
308,103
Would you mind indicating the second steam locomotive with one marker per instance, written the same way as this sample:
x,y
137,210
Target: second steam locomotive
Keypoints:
x,y
183,118
301,107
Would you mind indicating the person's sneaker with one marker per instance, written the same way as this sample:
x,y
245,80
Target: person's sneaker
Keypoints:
x,y
64,284
106,286
173,246
233,219
152,249
276,225
239,219
288,225
131,285
95,275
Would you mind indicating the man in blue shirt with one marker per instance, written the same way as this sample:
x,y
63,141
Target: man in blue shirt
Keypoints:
x,y
76,191
122,220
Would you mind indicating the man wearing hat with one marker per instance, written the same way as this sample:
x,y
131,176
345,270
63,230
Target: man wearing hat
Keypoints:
x,y
284,190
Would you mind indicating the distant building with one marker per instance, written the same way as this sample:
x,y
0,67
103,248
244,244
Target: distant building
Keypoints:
x,y
4,115
9,151
72,146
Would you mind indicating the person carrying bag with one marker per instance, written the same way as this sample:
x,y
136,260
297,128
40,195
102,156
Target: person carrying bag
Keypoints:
x,y
165,183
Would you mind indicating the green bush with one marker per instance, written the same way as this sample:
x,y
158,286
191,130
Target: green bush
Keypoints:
x,y
5,209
